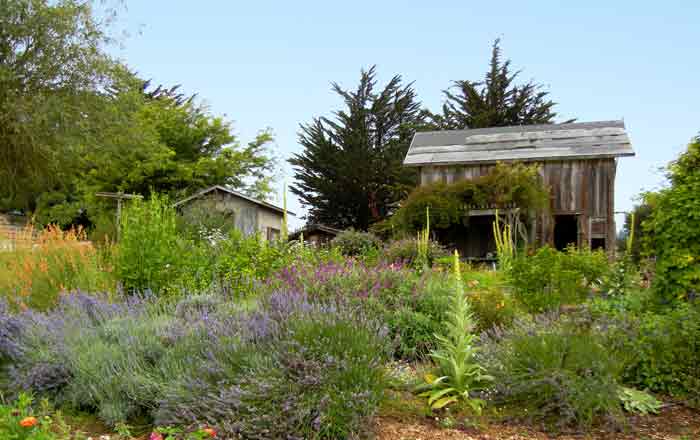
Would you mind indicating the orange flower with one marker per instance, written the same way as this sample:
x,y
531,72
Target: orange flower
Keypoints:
x,y
209,431
28,422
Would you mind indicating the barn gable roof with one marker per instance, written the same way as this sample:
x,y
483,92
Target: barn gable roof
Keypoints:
x,y
579,140
235,194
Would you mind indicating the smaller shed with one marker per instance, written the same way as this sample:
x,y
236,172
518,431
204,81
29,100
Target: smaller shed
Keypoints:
x,y
316,233
248,215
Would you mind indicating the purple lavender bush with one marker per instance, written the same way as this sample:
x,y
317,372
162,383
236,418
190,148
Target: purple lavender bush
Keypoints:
x,y
295,367
412,306
300,369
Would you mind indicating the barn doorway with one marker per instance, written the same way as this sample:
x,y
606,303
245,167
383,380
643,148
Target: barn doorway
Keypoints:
x,y
565,231
474,240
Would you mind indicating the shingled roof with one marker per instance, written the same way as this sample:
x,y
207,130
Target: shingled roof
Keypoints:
x,y
579,140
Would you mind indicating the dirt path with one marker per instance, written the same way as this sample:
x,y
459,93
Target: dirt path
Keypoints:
x,y
673,423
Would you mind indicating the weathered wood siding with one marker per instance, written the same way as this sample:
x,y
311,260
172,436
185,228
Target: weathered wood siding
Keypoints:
x,y
584,188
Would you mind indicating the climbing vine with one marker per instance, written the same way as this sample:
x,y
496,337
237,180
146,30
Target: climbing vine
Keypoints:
x,y
517,185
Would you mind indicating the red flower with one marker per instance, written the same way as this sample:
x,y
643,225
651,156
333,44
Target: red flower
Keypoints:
x,y
28,422
210,431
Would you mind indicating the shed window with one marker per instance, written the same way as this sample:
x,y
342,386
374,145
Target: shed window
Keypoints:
x,y
273,234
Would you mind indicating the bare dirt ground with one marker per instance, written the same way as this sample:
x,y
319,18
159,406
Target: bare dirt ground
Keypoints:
x,y
672,423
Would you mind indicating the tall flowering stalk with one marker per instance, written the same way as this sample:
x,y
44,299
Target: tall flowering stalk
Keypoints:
x,y
284,216
505,249
457,374
423,242
630,238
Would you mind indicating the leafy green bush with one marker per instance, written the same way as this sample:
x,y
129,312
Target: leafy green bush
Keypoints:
x,y
406,251
412,306
556,370
416,314
661,348
673,229
354,243
241,261
149,251
493,307
548,278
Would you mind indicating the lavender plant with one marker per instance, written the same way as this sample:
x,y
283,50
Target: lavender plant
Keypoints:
x,y
555,368
295,367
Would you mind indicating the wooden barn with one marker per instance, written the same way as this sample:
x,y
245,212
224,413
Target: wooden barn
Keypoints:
x,y
577,161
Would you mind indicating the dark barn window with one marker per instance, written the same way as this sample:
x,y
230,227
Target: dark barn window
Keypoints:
x,y
565,231
597,243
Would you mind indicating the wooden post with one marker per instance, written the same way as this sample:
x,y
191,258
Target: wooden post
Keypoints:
x,y
119,196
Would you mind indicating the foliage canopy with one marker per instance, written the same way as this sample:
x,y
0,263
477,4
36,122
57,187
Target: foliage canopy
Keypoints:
x,y
52,72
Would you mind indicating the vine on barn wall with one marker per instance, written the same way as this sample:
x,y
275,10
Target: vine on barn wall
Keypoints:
x,y
506,185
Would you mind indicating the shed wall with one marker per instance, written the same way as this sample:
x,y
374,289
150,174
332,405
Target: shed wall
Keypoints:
x,y
248,217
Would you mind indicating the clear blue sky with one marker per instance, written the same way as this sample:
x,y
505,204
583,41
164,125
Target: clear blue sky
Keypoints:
x,y
270,64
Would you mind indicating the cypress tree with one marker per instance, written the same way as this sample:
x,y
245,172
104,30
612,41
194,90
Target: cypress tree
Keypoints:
x,y
497,101
350,172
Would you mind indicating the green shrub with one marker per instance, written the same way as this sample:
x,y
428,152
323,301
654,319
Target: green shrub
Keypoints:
x,y
549,279
556,370
242,261
149,251
417,315
638,402
673,229
412,306
406,251
492,307
355,243
661,349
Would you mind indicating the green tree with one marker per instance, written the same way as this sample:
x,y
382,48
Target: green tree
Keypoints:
x,y
52,71
497,101
160,142
673,229
350,173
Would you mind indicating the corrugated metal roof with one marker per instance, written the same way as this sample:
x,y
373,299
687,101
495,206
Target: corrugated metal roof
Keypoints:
x,y
233,193
579,140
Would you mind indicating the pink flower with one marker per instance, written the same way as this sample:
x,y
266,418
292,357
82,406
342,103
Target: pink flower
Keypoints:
x,y
155,436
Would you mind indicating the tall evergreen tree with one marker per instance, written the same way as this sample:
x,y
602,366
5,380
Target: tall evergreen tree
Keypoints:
x,y
497,101
350,173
